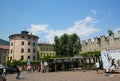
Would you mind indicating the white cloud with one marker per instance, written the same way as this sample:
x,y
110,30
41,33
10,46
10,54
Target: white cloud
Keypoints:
x,y
83,28
38,29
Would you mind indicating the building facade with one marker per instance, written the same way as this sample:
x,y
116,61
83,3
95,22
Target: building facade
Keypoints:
x,y
4,52
45,49
23,46
101,43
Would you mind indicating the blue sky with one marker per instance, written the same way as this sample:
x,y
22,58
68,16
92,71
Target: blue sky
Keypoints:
x,y
47,18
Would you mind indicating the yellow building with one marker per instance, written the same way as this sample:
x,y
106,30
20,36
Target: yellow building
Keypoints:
x,y
23,46
45,49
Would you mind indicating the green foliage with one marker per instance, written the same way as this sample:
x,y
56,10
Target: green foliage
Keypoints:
x,y
13,63
110,32
47,58
57,45
91,54
23,62
67,45
8,63
34,61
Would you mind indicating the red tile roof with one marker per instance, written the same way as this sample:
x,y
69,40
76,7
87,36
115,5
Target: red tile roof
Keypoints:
x,y
4,47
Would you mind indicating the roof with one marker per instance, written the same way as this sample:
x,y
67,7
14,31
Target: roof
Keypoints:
x,y
44,44
23,35
4,47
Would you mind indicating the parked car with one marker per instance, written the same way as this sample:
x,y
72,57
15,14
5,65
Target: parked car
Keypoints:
x,y
10,70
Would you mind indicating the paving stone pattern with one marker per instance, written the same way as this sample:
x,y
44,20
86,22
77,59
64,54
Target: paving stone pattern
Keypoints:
x,y
64,76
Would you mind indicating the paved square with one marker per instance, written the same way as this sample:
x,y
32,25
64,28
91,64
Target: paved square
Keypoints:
x,y
64,76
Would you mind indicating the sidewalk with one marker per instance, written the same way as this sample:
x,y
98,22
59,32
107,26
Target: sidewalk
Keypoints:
x,y
64,76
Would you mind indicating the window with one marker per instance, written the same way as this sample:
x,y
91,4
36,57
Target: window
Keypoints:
x,y
33,50
11,37
22,50
33,44
11,43
28,43
23,37
34,38
33,57
10,58
22,43
41,49
28,57
28,50
44,49
11,51
22,57
5,52
28,37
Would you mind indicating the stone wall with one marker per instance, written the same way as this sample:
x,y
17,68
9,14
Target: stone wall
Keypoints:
x,y
100,43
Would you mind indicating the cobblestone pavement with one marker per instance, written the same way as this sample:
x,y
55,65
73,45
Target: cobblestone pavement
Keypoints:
x,y
64,76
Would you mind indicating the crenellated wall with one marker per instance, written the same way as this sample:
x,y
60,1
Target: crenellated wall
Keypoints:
x,y
100,43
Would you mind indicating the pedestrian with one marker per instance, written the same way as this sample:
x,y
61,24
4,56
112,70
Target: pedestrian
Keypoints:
x,y
34,68
18,72
2,77
97,64
42,67
4,71
38,69
113,63
46,66
20,69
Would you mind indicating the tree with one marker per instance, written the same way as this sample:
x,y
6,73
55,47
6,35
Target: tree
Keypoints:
x,y
76,45
110,32
67,45
57,45
64,44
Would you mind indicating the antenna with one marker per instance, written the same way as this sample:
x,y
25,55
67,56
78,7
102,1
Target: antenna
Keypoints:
x,y
24,31
24,28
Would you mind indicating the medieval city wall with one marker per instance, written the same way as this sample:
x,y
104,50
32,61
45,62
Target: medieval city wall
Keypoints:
x,y
101,43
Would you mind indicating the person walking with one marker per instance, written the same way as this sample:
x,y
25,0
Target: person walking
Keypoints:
x,y
97,64
18,72
113,63
42,67
4,71
2,77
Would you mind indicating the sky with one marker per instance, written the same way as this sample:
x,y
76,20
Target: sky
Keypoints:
x,y
49,18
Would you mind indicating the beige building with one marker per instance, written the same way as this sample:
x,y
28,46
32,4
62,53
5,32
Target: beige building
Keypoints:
x,y
23,46
46,49
4,51
101,43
